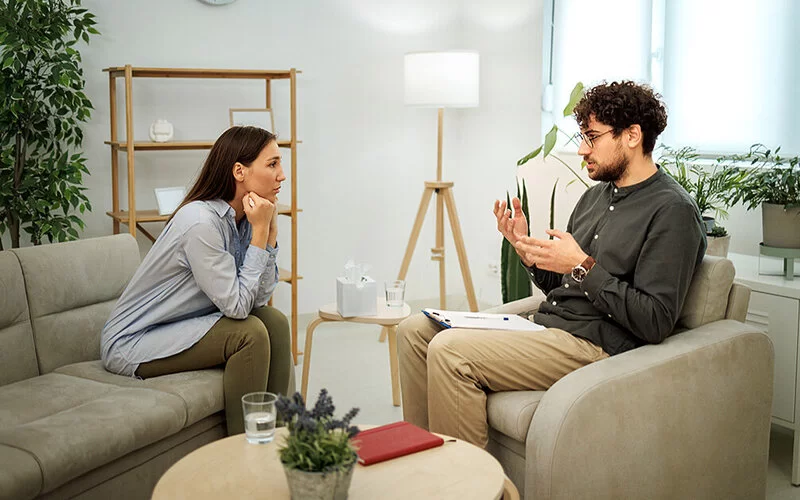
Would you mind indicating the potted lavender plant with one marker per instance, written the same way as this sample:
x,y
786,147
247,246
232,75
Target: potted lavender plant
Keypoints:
x,y
317,455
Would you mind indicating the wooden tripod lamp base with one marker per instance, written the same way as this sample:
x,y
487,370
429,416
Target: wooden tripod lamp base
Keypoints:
x,y
444,198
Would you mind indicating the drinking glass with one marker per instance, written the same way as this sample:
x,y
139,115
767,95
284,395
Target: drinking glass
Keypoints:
x,y
395,293
259,416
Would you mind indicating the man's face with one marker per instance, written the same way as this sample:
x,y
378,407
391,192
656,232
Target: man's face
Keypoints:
x,y
606,159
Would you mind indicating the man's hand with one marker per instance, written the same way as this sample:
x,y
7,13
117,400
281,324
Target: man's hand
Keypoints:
x,y
512,228
559,255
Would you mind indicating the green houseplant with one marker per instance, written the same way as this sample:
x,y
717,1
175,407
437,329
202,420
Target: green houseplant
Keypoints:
x,y
710,186
774,184
514,278
42,105
317,455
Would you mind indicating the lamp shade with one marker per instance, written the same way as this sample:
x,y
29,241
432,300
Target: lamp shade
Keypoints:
x,y
442,79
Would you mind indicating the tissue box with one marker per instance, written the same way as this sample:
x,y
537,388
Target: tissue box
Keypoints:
x,y
352,300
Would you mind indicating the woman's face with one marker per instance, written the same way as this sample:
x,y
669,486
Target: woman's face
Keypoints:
x,y
265,174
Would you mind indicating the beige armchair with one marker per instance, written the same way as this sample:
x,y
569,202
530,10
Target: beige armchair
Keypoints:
x,y
688,418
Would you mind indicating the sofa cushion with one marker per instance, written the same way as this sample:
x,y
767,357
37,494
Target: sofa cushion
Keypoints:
x,y
511,412
71,289
201,390
707,298
17,354
39,397
74,441
20,475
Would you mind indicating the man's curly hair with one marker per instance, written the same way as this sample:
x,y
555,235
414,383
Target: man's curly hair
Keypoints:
x,y
622,104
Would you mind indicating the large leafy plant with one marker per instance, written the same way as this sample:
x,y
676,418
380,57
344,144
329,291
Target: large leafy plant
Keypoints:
x,y
42,105
772,179
317,442
711,185
515,282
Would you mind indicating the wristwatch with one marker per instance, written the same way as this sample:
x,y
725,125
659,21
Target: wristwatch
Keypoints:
x,y
580,271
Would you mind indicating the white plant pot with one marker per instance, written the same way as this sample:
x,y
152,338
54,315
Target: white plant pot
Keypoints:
x,y
781,228
718,245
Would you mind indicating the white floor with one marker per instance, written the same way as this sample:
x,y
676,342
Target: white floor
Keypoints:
x,y
348,360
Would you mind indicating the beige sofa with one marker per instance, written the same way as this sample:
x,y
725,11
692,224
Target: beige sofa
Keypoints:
x,y
68,428
688,418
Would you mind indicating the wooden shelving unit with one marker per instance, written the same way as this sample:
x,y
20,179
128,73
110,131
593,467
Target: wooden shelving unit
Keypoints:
x,y
132,217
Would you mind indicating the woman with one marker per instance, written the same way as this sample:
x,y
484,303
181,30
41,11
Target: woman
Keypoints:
x,y
199,298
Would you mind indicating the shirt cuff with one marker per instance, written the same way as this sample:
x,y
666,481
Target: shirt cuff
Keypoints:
x,y
273,252
594,281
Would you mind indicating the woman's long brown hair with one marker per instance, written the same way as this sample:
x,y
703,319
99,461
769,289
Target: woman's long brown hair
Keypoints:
x,y
237,144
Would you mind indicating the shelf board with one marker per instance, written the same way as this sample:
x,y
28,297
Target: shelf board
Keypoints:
x,y
285,275
153,216
176,145
246,74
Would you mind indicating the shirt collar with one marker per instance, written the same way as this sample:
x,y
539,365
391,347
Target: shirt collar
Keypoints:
x,y
629,189
221,207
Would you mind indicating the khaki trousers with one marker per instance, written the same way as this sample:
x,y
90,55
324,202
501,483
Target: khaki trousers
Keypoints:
x,y
256,353
444,375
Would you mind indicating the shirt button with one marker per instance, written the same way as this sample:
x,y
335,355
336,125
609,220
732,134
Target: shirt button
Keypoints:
x,y
611,208
566,285
554,302
609,315
615,190
596,236
586,293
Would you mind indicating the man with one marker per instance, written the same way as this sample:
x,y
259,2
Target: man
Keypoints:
x,y
615,280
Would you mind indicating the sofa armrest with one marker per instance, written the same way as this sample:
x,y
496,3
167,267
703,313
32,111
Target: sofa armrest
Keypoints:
x,y
738,300
528,304
688,418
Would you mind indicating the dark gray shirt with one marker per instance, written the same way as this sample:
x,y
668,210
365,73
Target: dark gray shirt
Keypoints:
x,y
647,240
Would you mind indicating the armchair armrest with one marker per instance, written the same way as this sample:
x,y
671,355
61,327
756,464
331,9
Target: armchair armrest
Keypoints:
x,y
688,418
522,305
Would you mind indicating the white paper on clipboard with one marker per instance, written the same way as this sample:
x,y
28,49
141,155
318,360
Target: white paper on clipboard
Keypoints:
x,y
481,321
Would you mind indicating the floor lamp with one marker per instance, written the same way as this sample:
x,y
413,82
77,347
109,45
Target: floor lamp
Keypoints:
x,y
441,80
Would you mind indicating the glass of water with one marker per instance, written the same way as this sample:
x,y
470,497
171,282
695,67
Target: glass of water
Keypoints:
x,y
395,293
259,416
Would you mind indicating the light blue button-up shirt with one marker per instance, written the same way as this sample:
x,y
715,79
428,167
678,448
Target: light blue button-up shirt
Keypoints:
x,y
201,268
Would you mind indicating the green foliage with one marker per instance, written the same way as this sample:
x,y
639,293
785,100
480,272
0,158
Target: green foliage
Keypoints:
x,y
772,179
316,442
718,232
515,283
710,186
42,105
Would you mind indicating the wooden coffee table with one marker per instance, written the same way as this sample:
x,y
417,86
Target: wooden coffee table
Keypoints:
x,y
234,468
387,317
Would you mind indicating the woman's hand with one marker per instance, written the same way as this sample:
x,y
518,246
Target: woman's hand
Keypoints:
x,y
260,213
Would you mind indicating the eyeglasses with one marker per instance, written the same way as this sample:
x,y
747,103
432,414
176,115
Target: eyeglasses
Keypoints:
x,y
590,140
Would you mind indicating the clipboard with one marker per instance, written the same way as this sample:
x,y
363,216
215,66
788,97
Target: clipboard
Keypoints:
x,y
481,321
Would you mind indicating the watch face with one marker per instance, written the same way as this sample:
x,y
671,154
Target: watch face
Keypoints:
x,y
578,273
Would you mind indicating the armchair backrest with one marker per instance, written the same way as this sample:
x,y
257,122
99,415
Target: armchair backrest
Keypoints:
x,y
713,296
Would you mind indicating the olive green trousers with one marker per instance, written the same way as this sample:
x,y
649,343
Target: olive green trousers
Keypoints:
x,y
255,351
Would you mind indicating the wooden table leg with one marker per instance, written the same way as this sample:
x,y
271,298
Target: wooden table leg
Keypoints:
x,y
382,338
307,355
391,332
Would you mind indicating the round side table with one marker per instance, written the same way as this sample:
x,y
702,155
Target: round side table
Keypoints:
x,y
234,468
387,317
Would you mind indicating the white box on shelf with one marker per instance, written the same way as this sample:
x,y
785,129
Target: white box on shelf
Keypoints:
x,y
169,198
356,299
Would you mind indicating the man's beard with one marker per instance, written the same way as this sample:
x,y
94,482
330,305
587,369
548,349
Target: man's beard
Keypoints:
x,y
612,171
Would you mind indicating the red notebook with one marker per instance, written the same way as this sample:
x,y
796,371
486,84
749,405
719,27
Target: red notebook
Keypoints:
x,y
392,441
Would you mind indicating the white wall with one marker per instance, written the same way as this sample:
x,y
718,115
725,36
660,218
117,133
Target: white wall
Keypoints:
x,y
365,155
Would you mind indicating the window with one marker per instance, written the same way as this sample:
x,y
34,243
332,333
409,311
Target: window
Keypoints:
x,y
728,71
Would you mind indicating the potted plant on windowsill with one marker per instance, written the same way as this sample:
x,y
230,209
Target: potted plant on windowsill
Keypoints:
x,y
710,186
718,242
317,455
774,184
